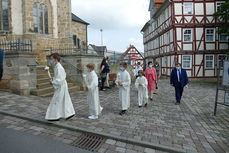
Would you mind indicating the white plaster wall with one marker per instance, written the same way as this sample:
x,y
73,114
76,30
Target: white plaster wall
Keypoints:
x,y
178,18
210,46
178,30
189,73
187,46
199,9
178,8
199,59
199,33
16,11
210,8
209,72
200,72
188,18
223,46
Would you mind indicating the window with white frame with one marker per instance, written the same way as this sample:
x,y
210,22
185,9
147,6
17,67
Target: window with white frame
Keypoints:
x,y
187,61
209,61
218,4
187,34
188,8
223,37
210,34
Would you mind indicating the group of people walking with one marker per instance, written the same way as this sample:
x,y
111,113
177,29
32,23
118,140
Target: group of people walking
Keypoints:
x,y
61,104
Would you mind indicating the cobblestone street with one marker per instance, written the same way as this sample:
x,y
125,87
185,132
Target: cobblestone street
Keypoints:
x,y
190,126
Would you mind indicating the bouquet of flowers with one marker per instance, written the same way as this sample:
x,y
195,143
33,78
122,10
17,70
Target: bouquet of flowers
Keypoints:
x,y
47,69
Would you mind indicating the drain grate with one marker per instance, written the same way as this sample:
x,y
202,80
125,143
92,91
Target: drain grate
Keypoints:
x,y
89,142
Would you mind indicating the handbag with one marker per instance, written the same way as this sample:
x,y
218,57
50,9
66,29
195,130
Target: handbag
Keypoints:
x,y
103,75
99,82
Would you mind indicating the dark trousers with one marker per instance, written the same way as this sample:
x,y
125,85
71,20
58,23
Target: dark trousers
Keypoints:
x,y
1,72
103,81
179,91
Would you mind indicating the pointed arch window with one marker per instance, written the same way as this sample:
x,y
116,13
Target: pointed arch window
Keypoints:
x,y
40,17
35,18
4,15
46,20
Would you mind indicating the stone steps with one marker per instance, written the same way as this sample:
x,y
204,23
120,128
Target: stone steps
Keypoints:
x,y
44,89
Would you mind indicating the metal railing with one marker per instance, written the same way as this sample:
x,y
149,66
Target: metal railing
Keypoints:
x,y
16,45
76,51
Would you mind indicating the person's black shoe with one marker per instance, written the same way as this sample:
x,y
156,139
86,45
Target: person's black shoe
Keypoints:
x,y
151,99
69,117
146,105
53,120
122,112
139,106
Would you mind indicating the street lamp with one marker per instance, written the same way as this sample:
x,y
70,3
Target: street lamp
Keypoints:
x,y
101,30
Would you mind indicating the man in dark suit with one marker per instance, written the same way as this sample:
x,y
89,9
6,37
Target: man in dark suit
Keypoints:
x,y
179,80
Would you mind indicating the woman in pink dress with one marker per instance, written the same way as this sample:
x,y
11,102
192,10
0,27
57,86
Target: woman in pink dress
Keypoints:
x,y
151,76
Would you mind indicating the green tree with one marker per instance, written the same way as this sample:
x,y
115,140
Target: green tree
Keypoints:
x,y
223,15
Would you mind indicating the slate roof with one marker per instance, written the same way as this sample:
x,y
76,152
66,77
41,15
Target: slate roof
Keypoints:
x,y
77,19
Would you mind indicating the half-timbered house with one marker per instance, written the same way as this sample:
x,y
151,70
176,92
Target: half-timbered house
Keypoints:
x,y
132,56
185,31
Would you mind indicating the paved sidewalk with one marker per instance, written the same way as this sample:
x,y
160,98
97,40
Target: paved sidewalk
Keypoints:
x,y
190,126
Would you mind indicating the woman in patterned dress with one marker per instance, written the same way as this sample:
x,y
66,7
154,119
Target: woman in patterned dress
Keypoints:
x,y
151,76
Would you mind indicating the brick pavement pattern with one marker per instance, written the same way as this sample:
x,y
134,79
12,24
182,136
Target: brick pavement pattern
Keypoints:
x,y
190,126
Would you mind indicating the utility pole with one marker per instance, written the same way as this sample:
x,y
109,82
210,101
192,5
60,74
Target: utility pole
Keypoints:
x,y
101,30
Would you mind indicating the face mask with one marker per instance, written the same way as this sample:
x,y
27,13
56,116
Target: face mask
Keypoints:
x,y
88,70
121,68
52,62
150,66
178,68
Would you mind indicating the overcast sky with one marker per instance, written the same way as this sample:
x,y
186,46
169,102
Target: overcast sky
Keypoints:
x,y
121,21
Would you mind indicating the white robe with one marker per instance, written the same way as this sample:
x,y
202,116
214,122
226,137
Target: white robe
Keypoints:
x,y
124,90
61,104
142,90
93,94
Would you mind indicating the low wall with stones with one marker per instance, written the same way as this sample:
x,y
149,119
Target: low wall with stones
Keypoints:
x,y
115,69
75,66
19,72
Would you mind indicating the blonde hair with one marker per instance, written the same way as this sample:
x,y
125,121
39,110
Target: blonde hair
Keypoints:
x,y
157,63
141,71
91,66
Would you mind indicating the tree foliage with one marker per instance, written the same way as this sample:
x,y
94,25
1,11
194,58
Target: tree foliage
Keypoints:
x,y
223,15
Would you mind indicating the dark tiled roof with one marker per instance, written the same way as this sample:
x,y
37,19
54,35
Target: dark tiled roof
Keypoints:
x,y
99,49
77,19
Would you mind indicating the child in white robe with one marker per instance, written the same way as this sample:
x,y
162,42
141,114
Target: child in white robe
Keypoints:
x,y
93,93
141,84
123,82
61,104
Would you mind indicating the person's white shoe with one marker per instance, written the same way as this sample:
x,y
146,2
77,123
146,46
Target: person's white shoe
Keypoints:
x,y
93,117
101,108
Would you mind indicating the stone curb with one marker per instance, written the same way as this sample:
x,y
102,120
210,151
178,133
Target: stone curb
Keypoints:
x,y
106,135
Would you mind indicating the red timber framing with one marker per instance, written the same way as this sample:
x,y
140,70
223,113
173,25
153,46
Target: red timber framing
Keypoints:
x,y
176,47
132,54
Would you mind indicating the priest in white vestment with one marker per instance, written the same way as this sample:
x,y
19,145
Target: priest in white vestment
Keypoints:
x,y
123,82
141,84
93,93
61,104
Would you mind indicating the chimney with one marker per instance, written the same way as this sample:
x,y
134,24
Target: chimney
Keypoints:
x,y
158,3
